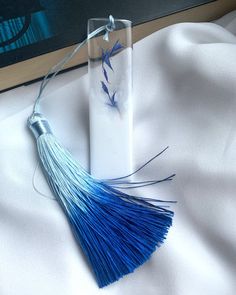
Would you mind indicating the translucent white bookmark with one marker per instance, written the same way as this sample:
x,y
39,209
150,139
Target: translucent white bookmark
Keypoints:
x,y
110,88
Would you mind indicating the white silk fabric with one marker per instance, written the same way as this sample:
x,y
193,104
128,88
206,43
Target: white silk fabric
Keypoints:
x,y
184,97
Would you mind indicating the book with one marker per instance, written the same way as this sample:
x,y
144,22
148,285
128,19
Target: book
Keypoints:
x,y
35,34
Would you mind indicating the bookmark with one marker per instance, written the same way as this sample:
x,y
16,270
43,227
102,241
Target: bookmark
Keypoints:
x,y
110,99
116,231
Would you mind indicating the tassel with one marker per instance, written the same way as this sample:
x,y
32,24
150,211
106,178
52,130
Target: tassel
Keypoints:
x,y
116,231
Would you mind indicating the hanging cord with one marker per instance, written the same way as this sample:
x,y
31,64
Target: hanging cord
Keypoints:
x,y
108,28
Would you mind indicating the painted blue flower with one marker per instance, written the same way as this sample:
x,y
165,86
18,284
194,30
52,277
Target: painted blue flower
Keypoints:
x,y
106,55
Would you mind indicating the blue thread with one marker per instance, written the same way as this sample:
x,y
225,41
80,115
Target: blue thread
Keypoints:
x,y
117,232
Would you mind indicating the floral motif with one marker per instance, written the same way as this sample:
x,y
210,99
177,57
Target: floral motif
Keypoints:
x,y
106,62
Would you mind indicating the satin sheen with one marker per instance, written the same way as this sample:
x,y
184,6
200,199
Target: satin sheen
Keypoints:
x,y
184,97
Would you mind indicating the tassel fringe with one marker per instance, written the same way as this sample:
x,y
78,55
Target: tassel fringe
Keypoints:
x,y
116,231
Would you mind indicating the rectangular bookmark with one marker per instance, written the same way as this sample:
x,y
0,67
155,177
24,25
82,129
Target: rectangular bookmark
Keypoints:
x,y
110,91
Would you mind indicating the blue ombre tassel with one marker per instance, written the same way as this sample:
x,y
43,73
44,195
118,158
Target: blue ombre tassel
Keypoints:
x,y
116,231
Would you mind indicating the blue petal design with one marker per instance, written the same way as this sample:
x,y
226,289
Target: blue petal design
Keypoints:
x,y
105,89
106,55
105,74
113,97
117,46
107,59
